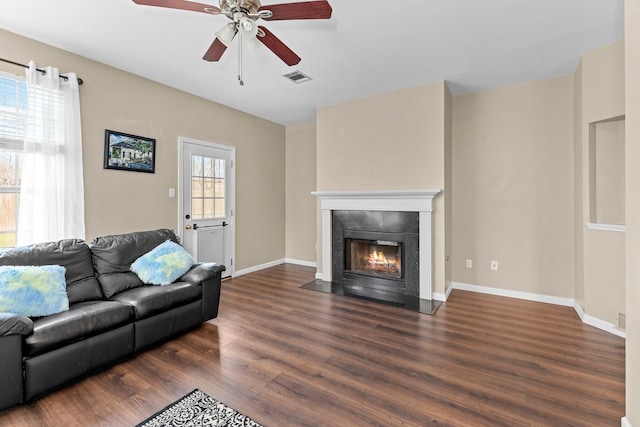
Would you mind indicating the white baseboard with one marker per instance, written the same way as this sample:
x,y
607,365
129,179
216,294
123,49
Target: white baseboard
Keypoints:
x,y
566,302
300,262
598,323
258,267
437,296
625,422
605,326
273,264
578,310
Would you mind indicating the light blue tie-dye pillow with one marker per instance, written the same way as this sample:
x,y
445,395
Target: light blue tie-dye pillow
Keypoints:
x,y
163,264
33,291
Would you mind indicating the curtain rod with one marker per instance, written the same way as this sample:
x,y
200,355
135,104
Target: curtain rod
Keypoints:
x,y
80,81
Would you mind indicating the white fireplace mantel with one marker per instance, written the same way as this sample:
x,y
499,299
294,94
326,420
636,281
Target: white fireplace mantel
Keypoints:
x,y
420,201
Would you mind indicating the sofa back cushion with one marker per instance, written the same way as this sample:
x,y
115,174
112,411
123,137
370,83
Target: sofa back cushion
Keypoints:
x,y
72,254
113,256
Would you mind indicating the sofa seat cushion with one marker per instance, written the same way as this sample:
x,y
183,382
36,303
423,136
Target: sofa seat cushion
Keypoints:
x,y
149,300
83,320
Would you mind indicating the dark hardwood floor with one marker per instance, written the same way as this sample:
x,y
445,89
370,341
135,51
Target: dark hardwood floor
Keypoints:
x,y
287,356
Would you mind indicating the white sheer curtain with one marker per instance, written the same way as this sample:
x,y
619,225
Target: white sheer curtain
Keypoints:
x,y
52,190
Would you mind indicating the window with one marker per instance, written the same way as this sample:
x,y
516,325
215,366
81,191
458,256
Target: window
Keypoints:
x,y
13,95
41,158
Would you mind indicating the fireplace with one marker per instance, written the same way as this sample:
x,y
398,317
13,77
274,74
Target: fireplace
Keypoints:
x,y
375,254
377,217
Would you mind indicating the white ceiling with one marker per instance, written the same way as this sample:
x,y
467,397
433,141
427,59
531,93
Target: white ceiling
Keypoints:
x,y
366,48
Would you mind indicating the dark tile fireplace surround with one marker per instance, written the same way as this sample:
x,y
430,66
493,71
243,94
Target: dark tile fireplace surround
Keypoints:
x,y
375,256
359,237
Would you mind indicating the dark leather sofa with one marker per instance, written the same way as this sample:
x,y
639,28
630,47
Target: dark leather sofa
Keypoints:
x,y
112,314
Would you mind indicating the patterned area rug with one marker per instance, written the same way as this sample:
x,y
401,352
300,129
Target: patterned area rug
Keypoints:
x,y
198,409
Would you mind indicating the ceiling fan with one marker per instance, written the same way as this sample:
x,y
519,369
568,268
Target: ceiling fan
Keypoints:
x,y
243,15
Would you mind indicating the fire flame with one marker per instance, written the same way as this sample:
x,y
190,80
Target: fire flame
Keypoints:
x,y
379,261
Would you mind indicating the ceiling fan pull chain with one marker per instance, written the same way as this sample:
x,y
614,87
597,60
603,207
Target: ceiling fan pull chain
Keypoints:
x,y
240,60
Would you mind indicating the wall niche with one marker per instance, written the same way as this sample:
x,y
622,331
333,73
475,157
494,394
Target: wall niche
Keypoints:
x,y
607,174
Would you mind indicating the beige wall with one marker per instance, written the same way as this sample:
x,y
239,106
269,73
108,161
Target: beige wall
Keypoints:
x,y
119,201
602,94
632,109
394,141
513,187
300,182
387,142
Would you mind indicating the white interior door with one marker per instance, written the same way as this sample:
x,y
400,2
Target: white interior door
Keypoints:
x,y
207,201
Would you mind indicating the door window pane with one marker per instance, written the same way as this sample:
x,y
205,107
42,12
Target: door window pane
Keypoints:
x,y
208,208
208,167
196,168
220,168
196,187
196,209
219,208
219,187
208,187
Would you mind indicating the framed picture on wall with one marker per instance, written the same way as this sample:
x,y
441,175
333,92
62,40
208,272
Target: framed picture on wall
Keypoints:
x,y
129,152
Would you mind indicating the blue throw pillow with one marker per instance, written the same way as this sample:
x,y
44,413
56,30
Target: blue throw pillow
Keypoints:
x,y
163,264
33,291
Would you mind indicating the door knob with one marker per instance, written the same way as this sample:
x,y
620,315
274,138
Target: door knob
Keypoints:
x,y
188,226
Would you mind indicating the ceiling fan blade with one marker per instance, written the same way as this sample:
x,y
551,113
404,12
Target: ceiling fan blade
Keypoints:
x,y
302,10
280,49
181,4
215,51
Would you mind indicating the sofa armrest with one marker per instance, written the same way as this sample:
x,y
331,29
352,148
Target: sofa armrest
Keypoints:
x,y
12,390
209,276
15,324
201,272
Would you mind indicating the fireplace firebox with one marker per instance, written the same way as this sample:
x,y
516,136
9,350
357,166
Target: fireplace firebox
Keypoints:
x,y
374,258
375,254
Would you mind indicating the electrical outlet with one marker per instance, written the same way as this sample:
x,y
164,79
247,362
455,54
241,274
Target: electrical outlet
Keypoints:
x,y
494,265
469,263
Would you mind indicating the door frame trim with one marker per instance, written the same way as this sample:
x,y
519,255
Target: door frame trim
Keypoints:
x,y
231,199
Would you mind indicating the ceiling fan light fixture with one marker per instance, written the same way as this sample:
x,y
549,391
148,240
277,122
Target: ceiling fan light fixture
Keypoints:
x,y
252,43
248,27
226,34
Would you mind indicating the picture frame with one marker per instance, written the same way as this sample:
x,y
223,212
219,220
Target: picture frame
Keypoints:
x,y
128,152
